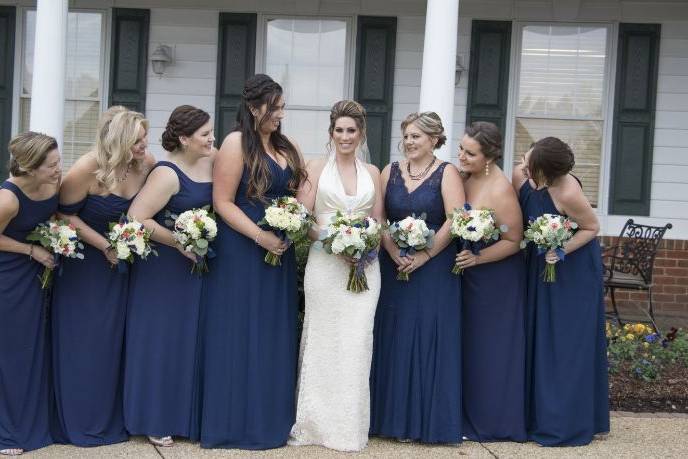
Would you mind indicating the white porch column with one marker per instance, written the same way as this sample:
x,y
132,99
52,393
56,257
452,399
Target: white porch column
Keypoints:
x,y
49,56
439,64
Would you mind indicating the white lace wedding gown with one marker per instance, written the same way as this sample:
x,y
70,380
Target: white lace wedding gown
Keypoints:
x,y
333,396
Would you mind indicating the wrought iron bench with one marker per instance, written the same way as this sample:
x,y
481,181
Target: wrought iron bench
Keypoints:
x,y
630,263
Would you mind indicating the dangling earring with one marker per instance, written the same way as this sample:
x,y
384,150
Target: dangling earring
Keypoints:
x,y
487,169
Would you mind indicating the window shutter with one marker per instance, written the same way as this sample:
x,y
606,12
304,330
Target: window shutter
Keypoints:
x,y
634,119
488,73
236,56
374,81
129,58
7,18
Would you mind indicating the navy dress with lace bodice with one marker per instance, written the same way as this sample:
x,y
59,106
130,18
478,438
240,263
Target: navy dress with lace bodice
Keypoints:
x,y
416,370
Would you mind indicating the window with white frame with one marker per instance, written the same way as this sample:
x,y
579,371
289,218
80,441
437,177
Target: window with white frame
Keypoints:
x,y
308,57
561,93
83,80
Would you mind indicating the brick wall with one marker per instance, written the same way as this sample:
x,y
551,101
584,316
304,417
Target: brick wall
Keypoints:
x,y
670,276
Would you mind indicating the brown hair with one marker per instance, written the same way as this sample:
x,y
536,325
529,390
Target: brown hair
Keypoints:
x,y
350,109
184,121
428,122
488,136
28,151
550,158
262,90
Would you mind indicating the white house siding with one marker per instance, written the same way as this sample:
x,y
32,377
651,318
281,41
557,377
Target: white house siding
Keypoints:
x,y
669,197
192,34
407,74
191,79
191,27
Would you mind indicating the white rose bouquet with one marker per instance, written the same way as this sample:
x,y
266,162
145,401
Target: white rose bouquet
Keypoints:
x,y
411,235
59,237
291,221
358,238
129,237
194,230
549,232
474,228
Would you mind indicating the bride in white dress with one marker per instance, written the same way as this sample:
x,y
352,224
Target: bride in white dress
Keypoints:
x,y
333,397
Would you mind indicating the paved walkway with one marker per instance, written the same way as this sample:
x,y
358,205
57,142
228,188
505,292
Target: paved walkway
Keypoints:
x,y
642,436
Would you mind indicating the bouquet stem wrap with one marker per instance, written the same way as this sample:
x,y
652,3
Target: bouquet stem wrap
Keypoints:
x,y
358,282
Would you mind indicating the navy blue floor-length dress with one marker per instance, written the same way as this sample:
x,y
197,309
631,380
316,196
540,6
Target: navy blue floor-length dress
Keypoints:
x,y
88,314
416,369
493,347
248,335
24,348
162,329
566,354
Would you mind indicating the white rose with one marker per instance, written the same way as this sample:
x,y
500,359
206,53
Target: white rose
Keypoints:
x,y
123,251
338,246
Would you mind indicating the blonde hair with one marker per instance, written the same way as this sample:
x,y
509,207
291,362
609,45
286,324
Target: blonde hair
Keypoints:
x,y
429,123
114,142
106,117
28,150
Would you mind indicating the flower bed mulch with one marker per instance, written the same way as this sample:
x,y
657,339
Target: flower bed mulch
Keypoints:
x,y
670,394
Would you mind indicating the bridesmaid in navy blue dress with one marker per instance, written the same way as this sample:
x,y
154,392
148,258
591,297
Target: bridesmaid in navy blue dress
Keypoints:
x,y
567,391
89,299
164,295
249,307
416,369
28,198
493,299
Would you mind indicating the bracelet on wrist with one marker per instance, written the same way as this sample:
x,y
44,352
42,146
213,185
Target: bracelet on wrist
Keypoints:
x,y
30,251
257,238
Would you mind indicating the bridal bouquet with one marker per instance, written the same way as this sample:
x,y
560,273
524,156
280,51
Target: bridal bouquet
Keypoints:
x,y
474,228
356,237
129,237
549,232
411,235
59,237
194,230
291,220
